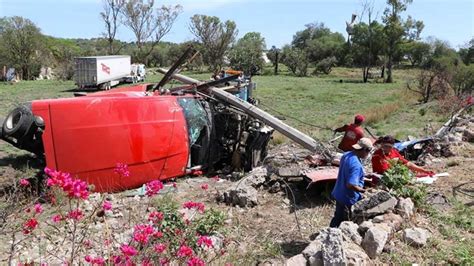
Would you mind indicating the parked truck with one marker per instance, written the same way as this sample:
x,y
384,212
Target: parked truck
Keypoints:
x,y
102,72
137,74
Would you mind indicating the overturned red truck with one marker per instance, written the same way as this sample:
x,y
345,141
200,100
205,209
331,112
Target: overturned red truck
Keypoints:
x,y
158,136
159,133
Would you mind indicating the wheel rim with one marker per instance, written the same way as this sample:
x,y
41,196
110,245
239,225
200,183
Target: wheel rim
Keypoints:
x,y
12,120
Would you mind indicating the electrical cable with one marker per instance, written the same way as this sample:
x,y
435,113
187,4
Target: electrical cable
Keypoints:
x,y
294,118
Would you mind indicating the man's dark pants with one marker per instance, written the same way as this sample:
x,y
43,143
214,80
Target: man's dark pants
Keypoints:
x,y
342,213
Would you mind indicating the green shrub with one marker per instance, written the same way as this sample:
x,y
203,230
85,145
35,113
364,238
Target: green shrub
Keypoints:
x,y
325,66
401,182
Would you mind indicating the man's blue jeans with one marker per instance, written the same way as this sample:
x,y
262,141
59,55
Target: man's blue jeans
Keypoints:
x,y
342,213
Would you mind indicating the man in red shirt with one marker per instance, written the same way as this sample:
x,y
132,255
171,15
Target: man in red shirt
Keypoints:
x,y
386,152
353,133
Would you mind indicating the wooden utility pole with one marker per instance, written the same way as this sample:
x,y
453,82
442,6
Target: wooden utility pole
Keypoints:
x,y
276,61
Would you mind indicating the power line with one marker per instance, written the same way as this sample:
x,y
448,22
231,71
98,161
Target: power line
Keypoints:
x,y
294,118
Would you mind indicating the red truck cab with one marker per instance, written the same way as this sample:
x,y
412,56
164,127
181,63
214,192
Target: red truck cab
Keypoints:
x,y
159,136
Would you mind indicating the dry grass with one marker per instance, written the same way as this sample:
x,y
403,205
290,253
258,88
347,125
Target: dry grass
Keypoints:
x,y
277,139
380,113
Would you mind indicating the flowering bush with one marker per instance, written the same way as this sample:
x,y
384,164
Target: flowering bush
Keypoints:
x,y
157,232
194,205
153,187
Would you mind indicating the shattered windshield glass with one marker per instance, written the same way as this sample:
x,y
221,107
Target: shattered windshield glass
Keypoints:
x,y
196,117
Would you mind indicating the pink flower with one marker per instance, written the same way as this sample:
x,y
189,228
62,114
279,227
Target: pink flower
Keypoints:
x,y
24,182
107,205
155,217
158,234
142,233
184,251
94,261
216,178
116,259
107,242
122,170
29,226
194,205
87,243
153,187
160,248
128,251
164,261
38,208
204,186
74,188
57,218
98,261
195,261
75,214
205,241
175,185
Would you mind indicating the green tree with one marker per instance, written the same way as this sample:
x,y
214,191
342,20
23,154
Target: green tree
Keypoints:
x,y
177,50
246,54
62,53
295,59
440,51
467,53
463,80
274,56
368,44
319,42
215,37
313,31
417,52
20,44
396,31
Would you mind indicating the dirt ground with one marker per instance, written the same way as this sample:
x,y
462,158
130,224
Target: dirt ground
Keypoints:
x,y
277,229
282,223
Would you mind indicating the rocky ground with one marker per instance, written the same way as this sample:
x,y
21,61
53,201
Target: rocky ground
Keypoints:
x,y
272,218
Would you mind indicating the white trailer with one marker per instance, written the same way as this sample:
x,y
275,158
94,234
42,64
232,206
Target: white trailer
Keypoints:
x,y
101,72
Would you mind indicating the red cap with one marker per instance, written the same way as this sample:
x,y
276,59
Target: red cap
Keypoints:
x,y
359,119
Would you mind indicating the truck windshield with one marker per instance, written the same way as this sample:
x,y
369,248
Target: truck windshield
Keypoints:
x,y
196,117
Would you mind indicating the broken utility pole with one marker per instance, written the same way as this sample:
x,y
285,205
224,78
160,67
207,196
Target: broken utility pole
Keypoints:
x,y
255,112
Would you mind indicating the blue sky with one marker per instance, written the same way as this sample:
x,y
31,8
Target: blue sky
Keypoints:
x,y
276,20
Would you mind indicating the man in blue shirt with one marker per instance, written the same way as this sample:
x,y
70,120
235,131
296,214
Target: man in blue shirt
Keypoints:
x,y
350,180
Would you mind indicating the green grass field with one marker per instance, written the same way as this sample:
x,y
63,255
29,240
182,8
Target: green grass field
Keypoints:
x,y
324,101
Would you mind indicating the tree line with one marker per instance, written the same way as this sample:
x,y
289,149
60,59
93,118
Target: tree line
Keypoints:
x,y
374,43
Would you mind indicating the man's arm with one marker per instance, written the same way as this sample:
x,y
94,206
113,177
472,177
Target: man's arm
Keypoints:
x,y
355,188
416,168
341,129
410,165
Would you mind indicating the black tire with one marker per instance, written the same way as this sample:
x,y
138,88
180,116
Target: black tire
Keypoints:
x,y
18,122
